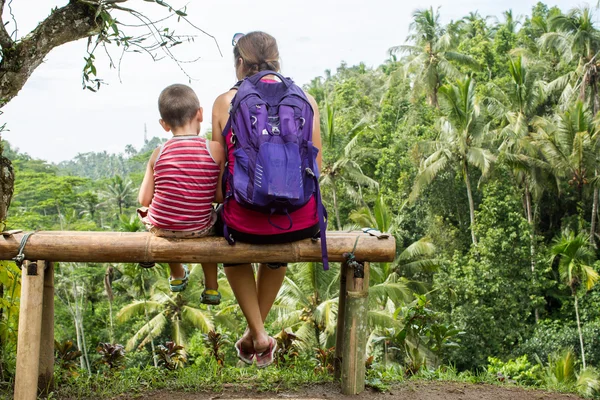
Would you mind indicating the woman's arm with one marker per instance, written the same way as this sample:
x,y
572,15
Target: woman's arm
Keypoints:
x,y
316,130
220,115
147,188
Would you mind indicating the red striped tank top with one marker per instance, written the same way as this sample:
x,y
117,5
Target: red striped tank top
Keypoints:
x,y
185,183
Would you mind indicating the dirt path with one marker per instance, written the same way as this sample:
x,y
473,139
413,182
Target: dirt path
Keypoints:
x,y
406,391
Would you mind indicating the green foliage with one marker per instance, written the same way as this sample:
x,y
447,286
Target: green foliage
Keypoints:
x,y
488,128
550,335
490,292
519,370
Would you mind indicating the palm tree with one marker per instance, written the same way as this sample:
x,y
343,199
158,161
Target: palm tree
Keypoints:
x,y
575,37
575,258
430,56
517,105
458,144
472,25
88,203
510,21
570,143
119,192
344,171
307,303
171,310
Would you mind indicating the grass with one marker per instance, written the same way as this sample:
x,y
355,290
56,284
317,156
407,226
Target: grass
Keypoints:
x,y
204,376
207,376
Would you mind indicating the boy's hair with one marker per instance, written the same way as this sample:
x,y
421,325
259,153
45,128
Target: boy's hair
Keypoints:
x,y
177,105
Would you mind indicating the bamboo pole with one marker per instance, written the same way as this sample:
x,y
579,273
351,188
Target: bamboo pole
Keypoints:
x,y
142,246
341,315
355,332
30,329
46,368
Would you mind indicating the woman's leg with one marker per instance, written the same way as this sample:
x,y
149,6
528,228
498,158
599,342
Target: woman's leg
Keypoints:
x,y
268,284
241,280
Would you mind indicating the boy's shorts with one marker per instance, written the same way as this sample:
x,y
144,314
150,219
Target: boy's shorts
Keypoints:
x,y
142,213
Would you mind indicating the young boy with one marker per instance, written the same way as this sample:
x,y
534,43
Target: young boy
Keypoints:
x,y
182,180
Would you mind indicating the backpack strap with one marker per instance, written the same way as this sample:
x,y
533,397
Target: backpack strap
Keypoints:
x,y
237,85
254,79
321,211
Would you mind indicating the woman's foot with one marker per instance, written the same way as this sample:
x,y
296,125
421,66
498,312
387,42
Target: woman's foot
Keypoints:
x,y
266,356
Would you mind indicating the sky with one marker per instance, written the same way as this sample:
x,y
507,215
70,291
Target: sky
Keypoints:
x,y
52,118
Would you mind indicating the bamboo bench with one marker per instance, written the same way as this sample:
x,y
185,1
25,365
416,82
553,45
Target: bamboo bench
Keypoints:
x,y
35,345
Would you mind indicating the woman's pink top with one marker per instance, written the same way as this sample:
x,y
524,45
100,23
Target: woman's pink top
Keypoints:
x,y
185,183
254,222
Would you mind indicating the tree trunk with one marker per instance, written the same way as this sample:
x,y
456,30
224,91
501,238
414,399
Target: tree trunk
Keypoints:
x,y
85,363
154,356
593,220
335,205
471,204
1,341
111,328
72,22
531,222
7,182
579,330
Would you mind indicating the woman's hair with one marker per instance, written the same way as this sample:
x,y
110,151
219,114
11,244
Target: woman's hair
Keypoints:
x,y
259,52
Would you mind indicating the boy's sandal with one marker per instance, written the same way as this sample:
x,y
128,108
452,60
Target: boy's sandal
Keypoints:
x,y
210,296
179,284
267,357
246,357
147,264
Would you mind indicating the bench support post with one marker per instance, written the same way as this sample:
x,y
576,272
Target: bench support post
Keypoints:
x,y
46,369
30,329
341,315
355,332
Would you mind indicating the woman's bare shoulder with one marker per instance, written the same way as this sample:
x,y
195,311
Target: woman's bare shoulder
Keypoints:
x,y
311,100
223,100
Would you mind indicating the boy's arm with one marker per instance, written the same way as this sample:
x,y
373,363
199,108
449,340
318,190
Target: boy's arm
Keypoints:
x,y
218,153
147,188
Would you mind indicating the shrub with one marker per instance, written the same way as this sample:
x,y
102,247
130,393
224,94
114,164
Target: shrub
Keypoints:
x,y
551,335
111,355
519,370
171,356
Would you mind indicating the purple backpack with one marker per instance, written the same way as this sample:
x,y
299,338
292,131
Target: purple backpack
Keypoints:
x,y
275,169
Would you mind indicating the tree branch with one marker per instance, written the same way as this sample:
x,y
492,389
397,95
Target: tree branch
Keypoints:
x,y
6,41
74,21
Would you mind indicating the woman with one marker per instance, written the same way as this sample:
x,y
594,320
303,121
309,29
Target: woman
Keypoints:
x,y
255,52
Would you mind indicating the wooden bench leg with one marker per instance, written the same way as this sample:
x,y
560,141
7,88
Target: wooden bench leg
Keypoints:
x,y
341,315
30,329
46,369
355,332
